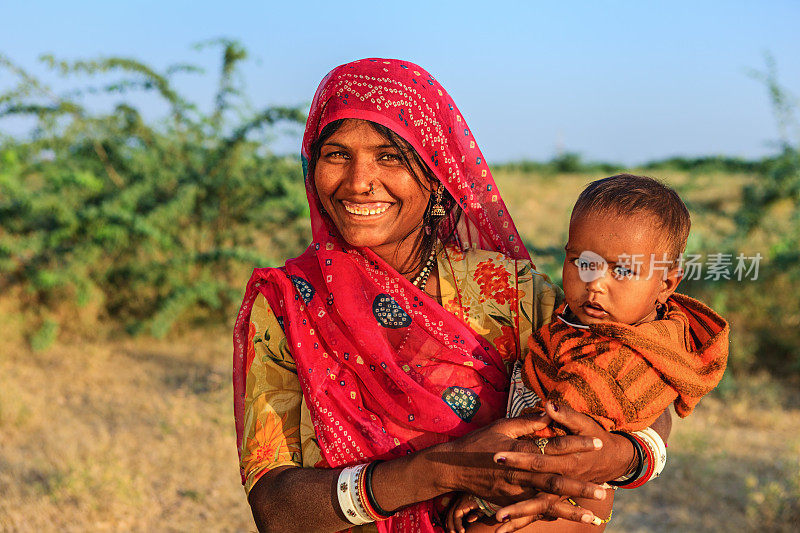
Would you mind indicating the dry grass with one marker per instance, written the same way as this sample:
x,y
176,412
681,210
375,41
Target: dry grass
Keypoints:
x,y
733,466
137,435
120,436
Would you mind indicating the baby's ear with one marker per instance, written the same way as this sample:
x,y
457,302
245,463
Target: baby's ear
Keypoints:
x,y
670,283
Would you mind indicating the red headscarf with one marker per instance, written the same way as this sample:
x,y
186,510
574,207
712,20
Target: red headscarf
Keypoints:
x,y
384,369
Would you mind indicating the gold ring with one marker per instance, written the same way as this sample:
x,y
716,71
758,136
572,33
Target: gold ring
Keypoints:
x,y
541,443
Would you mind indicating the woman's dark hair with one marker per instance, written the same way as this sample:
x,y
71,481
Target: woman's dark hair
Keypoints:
x,y
444,227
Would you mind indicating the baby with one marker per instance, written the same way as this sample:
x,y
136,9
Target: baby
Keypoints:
x,y
623,345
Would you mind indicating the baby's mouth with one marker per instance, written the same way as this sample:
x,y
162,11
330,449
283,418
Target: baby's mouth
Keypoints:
x,y
594,309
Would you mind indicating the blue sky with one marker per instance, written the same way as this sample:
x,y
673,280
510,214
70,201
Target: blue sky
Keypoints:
x,y
622,81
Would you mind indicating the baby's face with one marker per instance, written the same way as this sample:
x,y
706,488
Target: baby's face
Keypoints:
x,y
616,269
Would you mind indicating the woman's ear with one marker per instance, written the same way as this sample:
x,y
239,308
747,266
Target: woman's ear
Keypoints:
x,y
670,283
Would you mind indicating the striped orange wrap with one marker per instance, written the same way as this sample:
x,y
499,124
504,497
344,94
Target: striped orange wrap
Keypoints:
x,y
626,376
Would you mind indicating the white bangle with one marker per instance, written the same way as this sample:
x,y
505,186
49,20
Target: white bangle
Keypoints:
x,y
349,499
657,448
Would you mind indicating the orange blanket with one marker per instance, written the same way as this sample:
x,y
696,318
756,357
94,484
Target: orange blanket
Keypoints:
x,y
626,376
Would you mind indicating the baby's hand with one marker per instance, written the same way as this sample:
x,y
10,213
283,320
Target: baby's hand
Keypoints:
x,y
464,509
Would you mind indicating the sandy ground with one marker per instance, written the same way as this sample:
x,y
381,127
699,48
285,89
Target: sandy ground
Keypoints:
x,y
138,436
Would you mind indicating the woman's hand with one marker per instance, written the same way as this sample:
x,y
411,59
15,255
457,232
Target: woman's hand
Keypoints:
x,y
610,461
470,467
467,464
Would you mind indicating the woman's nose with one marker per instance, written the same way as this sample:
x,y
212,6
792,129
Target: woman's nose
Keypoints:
x,y
360,174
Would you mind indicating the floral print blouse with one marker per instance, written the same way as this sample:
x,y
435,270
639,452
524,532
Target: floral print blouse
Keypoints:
x,y
499,298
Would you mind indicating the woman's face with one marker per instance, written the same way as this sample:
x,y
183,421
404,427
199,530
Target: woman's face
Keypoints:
x,y
353,160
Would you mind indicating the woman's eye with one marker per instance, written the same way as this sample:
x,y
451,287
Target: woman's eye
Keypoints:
x,y
390,157
336,154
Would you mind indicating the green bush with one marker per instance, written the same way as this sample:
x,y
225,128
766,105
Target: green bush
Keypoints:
x,y
151,222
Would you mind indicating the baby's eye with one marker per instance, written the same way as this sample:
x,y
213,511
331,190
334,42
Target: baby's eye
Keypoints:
x,y
620,272
581,263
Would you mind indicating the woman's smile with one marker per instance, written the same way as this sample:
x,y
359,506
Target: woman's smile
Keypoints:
x,y
366,210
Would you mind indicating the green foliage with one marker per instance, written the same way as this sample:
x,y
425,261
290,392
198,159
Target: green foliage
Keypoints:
x,y
152,222
707,164
45,336
573,163
766,311
565,163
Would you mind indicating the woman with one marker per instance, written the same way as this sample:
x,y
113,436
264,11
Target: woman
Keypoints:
x,y
390,337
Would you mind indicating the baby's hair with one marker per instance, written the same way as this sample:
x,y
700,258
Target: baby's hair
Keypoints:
x,y
627,195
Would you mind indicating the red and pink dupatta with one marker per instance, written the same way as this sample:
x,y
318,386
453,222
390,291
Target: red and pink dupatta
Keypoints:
x,y
384,369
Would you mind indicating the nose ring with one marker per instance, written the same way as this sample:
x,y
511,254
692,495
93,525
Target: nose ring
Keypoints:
x,y
371,188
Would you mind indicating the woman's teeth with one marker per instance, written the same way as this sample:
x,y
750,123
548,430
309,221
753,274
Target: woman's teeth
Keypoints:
x,y
367,209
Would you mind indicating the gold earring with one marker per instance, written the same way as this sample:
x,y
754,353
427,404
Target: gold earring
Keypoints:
x,y
438,208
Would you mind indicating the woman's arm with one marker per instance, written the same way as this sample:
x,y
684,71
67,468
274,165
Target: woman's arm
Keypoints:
x,y
663,425
304,499
290,498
